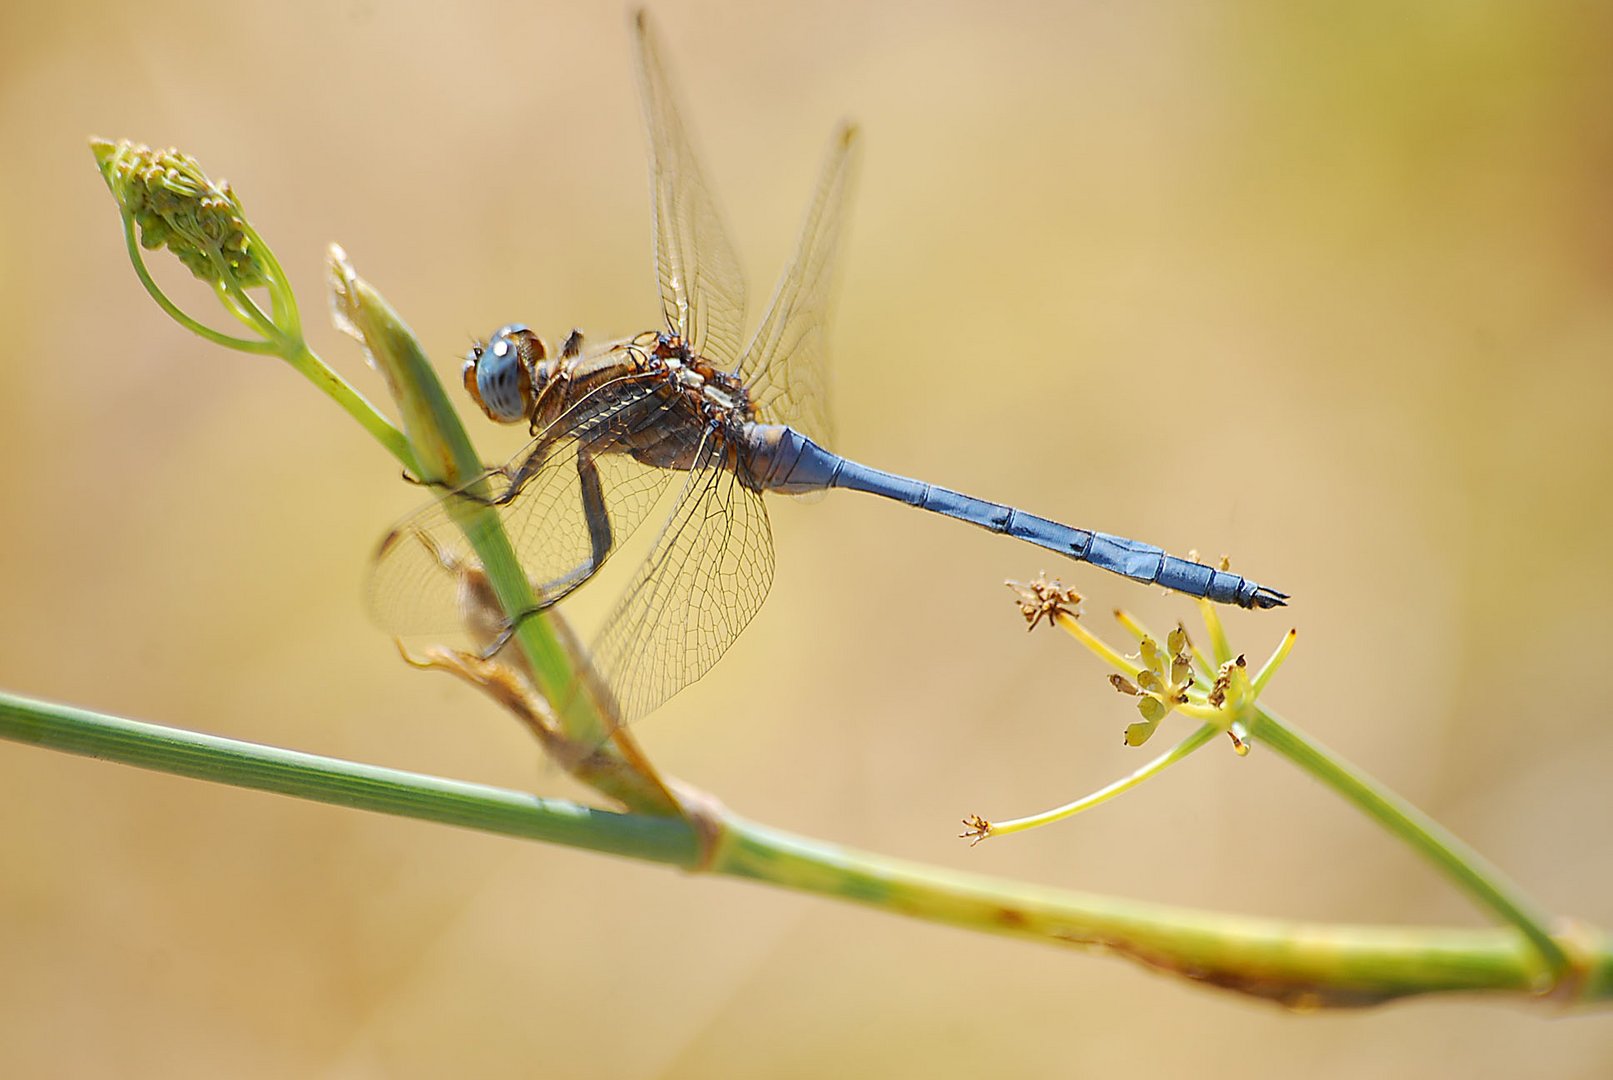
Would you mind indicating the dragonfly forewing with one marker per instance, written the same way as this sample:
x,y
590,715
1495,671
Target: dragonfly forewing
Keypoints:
x,y
702,286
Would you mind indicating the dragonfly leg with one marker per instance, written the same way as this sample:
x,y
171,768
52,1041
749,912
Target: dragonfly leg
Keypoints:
x,y
594,511
514,479
601,536
600,540
505,635
488,471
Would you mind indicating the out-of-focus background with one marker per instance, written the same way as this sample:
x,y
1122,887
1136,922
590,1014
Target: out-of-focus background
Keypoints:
x,y
1323,287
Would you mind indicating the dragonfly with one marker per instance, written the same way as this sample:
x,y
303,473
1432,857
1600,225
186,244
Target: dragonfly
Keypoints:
x,y
732,418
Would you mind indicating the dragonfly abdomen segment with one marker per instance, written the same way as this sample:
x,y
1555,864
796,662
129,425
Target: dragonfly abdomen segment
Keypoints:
x,y
784,460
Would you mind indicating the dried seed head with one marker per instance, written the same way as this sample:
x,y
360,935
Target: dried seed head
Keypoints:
x,y
978,829
1041,599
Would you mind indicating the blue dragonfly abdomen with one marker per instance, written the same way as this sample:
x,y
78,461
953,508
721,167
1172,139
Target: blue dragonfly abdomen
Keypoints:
x,y
784,460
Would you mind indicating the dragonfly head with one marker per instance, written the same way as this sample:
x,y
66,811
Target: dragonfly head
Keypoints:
x,y
506,375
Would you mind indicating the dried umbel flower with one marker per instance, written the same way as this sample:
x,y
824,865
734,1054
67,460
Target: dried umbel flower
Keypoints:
x,y
1216,690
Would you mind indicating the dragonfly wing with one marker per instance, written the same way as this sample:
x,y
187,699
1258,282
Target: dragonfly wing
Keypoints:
x,y
786,363
703,582
702,287
567,502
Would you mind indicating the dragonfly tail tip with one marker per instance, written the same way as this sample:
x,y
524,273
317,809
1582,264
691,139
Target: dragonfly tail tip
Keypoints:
x,y
1267,597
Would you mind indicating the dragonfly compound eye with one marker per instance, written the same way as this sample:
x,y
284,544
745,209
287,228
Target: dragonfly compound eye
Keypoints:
x,y
501,376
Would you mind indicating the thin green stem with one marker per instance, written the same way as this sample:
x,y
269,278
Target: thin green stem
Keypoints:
x,y
1220,648
1296,964
137,257
246,309
1073,626
1164,761
286,314
1461,863
355,404
1279,655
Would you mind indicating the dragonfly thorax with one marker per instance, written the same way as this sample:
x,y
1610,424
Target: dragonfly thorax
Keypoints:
x,y
719,395
687,377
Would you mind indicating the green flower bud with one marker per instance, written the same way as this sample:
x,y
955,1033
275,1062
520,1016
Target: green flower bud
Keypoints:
x,y
175,205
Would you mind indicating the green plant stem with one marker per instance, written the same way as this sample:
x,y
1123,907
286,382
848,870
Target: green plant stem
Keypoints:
x,y
1179,752
344,783
315,370
1296,964
292,349
440,444
132,241
243,307
286,314
1463,865
446,456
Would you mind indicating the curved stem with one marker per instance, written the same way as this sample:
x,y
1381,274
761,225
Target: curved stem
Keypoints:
x,y
199,329
1466,867
284,300
1164,761
246,309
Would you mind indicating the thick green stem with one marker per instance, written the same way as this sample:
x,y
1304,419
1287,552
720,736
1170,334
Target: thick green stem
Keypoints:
x,y
1296,964
446,455
1463,865
344,783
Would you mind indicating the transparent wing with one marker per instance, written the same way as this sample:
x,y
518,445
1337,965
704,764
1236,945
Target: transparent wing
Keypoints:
x,y
707,576
786,363
702,287
568,500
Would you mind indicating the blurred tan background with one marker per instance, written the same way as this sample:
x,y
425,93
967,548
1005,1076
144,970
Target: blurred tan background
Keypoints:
x,y
1325,287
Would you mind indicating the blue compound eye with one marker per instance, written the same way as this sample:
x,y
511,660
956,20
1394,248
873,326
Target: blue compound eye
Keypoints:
x,y
500,376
